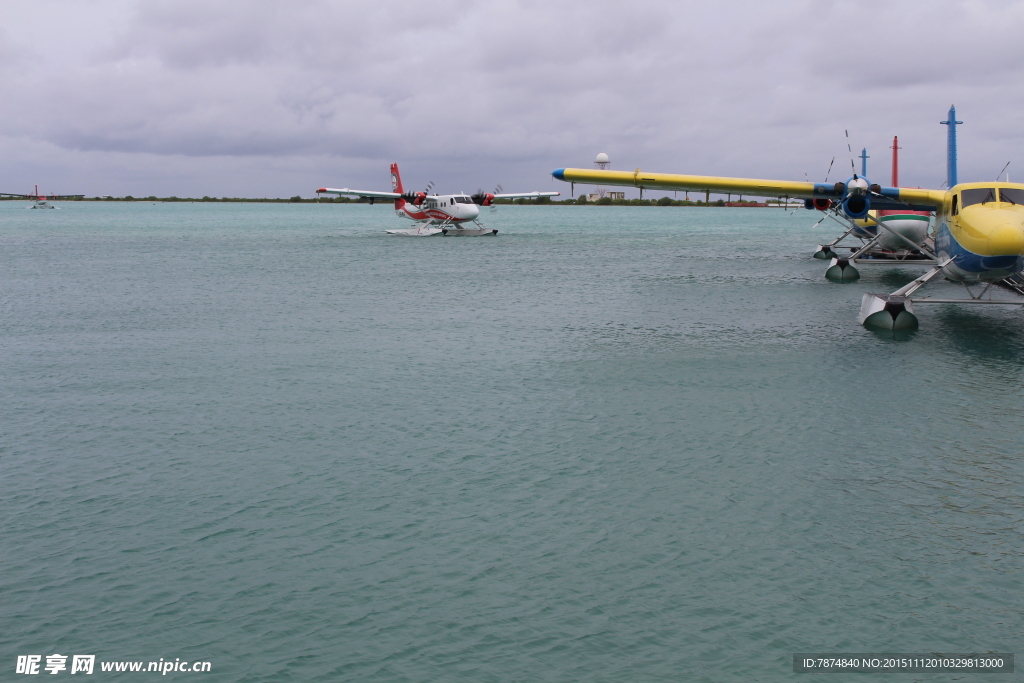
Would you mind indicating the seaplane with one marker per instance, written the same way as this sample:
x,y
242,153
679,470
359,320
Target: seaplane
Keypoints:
x,y
978,231
41,201
886,236
447,214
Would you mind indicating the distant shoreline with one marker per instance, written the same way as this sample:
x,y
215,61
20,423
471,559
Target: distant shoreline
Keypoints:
x,y
543,201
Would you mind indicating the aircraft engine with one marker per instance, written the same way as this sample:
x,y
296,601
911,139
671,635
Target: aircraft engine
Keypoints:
x,y
483,198
415,198
856,206
858,201
821,204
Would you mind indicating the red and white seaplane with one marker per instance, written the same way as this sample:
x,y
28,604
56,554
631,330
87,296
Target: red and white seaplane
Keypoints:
x,y
445,214
41,200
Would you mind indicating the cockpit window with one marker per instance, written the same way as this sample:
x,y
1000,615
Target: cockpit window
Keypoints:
x,y
1011,195
463,200
978,195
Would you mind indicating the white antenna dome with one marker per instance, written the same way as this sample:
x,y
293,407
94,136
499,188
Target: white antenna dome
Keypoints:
x,y
602,158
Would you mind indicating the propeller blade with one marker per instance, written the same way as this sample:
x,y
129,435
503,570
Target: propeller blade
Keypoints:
x,y
853,167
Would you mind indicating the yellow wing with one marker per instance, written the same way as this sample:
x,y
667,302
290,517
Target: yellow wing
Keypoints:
x,y
883,197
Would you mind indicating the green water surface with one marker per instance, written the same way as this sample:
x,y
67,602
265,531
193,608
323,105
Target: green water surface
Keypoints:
x,y
609,444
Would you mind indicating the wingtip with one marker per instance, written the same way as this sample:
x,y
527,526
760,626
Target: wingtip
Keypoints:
x,y
559,173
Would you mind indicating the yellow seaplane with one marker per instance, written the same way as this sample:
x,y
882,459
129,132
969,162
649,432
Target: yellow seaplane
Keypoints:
x,y
978,230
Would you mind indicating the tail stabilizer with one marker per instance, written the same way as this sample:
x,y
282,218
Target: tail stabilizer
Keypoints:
x,y
396,180
951,178
396,186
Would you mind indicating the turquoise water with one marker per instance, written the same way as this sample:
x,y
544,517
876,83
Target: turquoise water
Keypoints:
x,y
609,444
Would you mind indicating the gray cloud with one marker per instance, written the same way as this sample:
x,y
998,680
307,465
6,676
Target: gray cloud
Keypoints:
x,y
191,97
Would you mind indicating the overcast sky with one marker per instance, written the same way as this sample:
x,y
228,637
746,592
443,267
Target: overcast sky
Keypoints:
x,y
261,98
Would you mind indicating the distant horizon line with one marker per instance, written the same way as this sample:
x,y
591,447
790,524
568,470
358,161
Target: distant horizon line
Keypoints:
x,y
297,199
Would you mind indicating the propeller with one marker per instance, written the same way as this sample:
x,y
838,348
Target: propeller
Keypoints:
x,y
482,198
853,167
857,191
417,198
820,203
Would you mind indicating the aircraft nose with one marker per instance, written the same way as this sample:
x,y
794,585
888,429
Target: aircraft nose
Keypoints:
x,y
472,210
1007,239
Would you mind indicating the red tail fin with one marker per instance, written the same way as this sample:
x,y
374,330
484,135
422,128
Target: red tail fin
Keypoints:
x,y
896,162
396,185
396,180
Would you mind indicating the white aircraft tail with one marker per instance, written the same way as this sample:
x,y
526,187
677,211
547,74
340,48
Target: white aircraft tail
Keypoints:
x,y
396,186
396,180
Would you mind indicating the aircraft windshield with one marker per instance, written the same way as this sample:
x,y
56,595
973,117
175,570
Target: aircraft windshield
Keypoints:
x,y
463,200
978,195
1011,195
